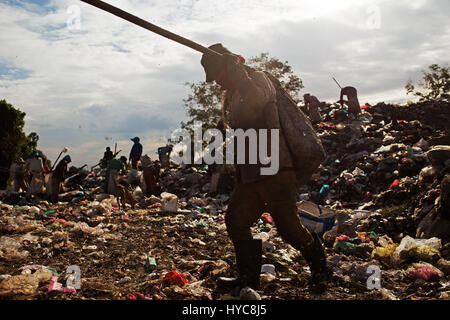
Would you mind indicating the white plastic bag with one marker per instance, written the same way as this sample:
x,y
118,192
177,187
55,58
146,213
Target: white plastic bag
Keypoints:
x,y
409,243
169,202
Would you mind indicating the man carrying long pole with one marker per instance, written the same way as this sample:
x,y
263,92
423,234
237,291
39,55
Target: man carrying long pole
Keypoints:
x,y
253,105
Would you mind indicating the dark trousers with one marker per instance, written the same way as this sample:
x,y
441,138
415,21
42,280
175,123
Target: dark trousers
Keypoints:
x,y
276,195
134,160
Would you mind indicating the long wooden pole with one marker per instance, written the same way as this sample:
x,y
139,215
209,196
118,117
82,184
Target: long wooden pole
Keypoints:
x,y
56,160
149,26
337,82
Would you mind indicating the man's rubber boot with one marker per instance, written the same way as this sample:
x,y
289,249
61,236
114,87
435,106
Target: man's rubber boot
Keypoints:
x,y
320,273
248,262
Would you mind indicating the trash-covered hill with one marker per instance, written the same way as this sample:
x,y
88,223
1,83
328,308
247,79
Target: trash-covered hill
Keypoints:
x,y
380,200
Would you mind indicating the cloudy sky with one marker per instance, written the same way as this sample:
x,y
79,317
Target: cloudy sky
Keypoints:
x,y
87,79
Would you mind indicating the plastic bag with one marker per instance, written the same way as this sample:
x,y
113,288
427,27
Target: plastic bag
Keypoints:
x,y
169,202
315,217
24,284
175,277
137,193
424,271
424,253
384,252
56,286
416,249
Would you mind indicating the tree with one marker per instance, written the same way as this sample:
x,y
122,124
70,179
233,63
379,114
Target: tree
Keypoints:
x,y
14,143
204,103
280,70
34,137
435,82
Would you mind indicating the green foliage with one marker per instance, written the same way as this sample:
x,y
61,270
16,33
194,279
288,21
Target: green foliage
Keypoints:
x,y
435,82
14,143
280,70
204,103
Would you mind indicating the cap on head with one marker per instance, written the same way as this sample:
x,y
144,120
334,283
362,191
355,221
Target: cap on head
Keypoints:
x,y
108,148
135,139
213,64
67,158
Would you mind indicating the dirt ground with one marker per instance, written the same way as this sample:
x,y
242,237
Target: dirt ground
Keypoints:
x,y
112,246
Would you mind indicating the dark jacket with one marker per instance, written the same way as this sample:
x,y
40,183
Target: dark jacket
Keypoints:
x,y
136,149
108,155
60,170
253,106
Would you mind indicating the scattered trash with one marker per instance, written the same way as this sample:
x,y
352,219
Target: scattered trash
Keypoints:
x,y
315,217
424,271
11,249
248,293
363,244
175,277
266,218
24,284
268,268
380,179
411,249
169,202
137,296
384,252
56,286
150,264
394,184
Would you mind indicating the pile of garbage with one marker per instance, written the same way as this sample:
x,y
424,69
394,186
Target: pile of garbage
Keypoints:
x,y
380,201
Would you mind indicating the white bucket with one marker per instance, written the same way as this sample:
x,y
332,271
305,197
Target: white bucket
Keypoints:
x,y
268,268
